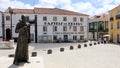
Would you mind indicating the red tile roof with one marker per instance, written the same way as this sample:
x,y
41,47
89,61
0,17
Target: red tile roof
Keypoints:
x,y
28,11
46,11
57,11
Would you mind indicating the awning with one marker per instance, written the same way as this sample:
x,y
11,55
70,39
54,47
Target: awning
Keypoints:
x,y
107,35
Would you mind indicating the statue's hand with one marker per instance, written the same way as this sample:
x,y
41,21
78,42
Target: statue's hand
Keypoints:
x,y
29,24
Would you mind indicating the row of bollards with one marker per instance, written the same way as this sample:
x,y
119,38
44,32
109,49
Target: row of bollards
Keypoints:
x,y
71,47
34,54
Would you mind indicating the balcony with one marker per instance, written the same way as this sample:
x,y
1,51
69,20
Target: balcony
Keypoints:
x,y
118,16
92,30
111,18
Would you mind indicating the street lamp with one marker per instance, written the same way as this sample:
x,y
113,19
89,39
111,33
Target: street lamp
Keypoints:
x,y
11,12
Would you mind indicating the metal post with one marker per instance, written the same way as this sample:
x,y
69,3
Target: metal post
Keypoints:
x,y
11,24
35,28
11,12
97,30
3,26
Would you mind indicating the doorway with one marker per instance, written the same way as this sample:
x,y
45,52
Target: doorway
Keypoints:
x,y
65,38
8,34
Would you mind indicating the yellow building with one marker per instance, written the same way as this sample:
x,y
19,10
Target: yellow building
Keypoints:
x,y
114,24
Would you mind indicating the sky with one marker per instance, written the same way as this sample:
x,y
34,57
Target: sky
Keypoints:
x,y
90,7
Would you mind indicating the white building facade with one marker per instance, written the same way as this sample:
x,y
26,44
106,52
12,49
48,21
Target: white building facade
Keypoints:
x,y
50,24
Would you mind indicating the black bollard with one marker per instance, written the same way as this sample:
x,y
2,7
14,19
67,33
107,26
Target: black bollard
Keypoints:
x,y
95,43
90,44
98,42
61,49
85,45
11,55
49,51
34,54
79,46
71,47
102,42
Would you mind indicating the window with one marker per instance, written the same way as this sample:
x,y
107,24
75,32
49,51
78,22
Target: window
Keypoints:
x,y
27,18
74,28
81,37
44,18
118,25
54,18
106,23
91,25
81,28
32,37
64,18
44,28
74,19
118,11
7,17
55,37
81,19
74,37
111,37
64,28
111,25
54,28
118,37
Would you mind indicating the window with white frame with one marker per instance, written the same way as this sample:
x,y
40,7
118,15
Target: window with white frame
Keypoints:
x,y
82,37
74,28
54,28
44,28
81,19
27,18
54,18
32,37
44,18
64,18
74,19
81,28
74,37
7,18
64,28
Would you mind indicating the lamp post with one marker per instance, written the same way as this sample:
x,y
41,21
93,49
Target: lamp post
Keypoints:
x,y
11,12
3,26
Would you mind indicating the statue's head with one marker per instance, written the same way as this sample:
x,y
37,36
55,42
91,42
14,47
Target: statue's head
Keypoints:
x,y
23,17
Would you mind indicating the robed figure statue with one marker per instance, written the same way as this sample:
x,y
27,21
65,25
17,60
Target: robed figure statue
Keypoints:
x,y
21,53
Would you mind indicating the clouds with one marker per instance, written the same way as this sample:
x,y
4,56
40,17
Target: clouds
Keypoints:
x,y
4,4
86,6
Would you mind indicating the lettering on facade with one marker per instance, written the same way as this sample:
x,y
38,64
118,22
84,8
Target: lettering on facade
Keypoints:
x,y
63,23
68,33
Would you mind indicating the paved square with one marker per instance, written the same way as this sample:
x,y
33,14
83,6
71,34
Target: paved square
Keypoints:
x,y
95,56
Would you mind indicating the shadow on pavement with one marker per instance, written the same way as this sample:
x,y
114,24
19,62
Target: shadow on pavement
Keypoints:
x,y
14,66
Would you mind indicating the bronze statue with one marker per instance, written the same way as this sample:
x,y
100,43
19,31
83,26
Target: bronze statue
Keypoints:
x,y
21,54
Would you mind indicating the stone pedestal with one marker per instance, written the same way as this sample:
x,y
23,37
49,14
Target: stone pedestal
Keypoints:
x,y
11,43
